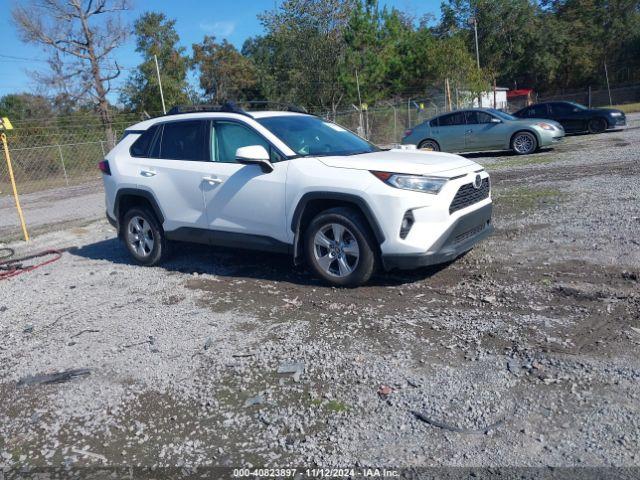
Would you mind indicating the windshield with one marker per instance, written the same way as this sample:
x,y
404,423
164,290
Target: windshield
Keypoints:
x,y
313,136
501,114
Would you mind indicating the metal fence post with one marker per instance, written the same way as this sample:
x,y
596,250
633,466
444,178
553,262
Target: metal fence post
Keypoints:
x,y
64,169
102,146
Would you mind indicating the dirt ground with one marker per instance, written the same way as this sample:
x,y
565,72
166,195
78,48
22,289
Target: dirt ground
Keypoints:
x,y
523,353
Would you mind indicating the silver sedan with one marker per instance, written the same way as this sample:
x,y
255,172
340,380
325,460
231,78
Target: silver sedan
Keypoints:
x,y
483,129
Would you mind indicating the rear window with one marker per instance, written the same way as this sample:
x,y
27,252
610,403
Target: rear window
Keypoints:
x,y
185,141
142,145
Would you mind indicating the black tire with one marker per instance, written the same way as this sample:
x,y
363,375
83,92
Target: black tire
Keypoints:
x,y
159,251
531,141
429,144
597,125
357,228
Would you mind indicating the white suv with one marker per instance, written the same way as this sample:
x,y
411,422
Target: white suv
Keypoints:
x,y
289,182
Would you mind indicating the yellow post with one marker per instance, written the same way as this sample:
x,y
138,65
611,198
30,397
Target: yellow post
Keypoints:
x,y
6,125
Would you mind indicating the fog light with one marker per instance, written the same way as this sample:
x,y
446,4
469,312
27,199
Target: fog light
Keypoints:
x,y
407,223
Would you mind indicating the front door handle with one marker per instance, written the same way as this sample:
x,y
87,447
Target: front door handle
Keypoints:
x,y
147,173
212,180
468,132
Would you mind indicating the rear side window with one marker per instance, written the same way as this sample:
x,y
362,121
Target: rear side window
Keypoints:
x,y
452,119
538,111
185,141
142,145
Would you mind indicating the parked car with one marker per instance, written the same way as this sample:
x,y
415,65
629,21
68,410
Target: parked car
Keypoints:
x,y
482,129
291,183
575,117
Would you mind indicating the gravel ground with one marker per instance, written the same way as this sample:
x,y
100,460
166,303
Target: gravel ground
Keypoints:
x,y
522,353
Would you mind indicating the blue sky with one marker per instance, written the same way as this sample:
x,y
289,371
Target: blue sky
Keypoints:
x,y
235,20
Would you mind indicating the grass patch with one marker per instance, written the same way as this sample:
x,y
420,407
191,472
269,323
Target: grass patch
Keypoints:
x,y
522,161
526,198
331,405
629,107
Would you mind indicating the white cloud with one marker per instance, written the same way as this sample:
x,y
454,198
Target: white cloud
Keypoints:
x,y
220,29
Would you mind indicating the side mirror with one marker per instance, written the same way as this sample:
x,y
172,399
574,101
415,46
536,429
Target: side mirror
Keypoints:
x,y
254,155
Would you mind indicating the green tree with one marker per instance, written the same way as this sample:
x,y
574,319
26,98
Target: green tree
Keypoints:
x,y
225,74
156,35
306,49
25,106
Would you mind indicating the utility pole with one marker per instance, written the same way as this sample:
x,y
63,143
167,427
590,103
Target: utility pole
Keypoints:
x,y
606,74
475,31
164,109
362,132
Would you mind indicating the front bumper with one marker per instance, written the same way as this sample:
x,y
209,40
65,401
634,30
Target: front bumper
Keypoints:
x,y
616,122
459,238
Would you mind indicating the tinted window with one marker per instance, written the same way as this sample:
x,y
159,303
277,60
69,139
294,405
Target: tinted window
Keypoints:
x,y
537,111
184,141
308,135
452,119
141,146
230,136
562,108
478,117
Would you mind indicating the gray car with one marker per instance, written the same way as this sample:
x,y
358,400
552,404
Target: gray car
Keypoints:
x,y
482,129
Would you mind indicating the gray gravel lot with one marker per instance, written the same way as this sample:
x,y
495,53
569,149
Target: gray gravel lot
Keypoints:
x,y
522,353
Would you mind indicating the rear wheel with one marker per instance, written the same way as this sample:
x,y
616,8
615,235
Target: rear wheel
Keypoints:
x,y
144,236
339,247
597,125
430,145
524,143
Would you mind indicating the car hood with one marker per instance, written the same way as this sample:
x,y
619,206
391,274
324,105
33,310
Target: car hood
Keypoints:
x,y
415,162
606,110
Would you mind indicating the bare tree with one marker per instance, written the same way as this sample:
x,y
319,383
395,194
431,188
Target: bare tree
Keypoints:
x,y
80,36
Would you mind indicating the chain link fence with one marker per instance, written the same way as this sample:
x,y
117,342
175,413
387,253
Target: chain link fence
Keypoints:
x,y
54,163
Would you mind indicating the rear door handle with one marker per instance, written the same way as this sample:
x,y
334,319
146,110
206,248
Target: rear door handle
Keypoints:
x,y
468,132
212,180
147,173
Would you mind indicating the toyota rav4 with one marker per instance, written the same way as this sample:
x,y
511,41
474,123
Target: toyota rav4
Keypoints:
x,y
290,182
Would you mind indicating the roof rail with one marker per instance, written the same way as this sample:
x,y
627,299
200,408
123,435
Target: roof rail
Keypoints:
x,y
289,107
229,107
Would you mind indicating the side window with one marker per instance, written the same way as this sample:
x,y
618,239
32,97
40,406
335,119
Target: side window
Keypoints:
x,y
227,137
452,119
561,108
142,145
474,118
538,111
434,122
185,140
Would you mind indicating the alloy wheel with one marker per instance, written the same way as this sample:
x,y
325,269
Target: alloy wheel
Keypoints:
x,y
140,236
336,250
524,143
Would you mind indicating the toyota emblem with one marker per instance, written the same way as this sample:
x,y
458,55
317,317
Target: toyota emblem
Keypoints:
x,y
477,183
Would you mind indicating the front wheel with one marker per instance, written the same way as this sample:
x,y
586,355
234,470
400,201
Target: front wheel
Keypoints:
x,y
597,125
339,247
524,143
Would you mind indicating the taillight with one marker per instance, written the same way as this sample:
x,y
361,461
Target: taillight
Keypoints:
x,y
104,167
408,132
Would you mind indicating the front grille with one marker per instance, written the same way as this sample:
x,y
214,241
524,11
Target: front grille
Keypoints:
x,y
467,195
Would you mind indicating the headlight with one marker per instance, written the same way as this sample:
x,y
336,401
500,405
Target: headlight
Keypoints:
x,y
415,183
616,114
546,126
